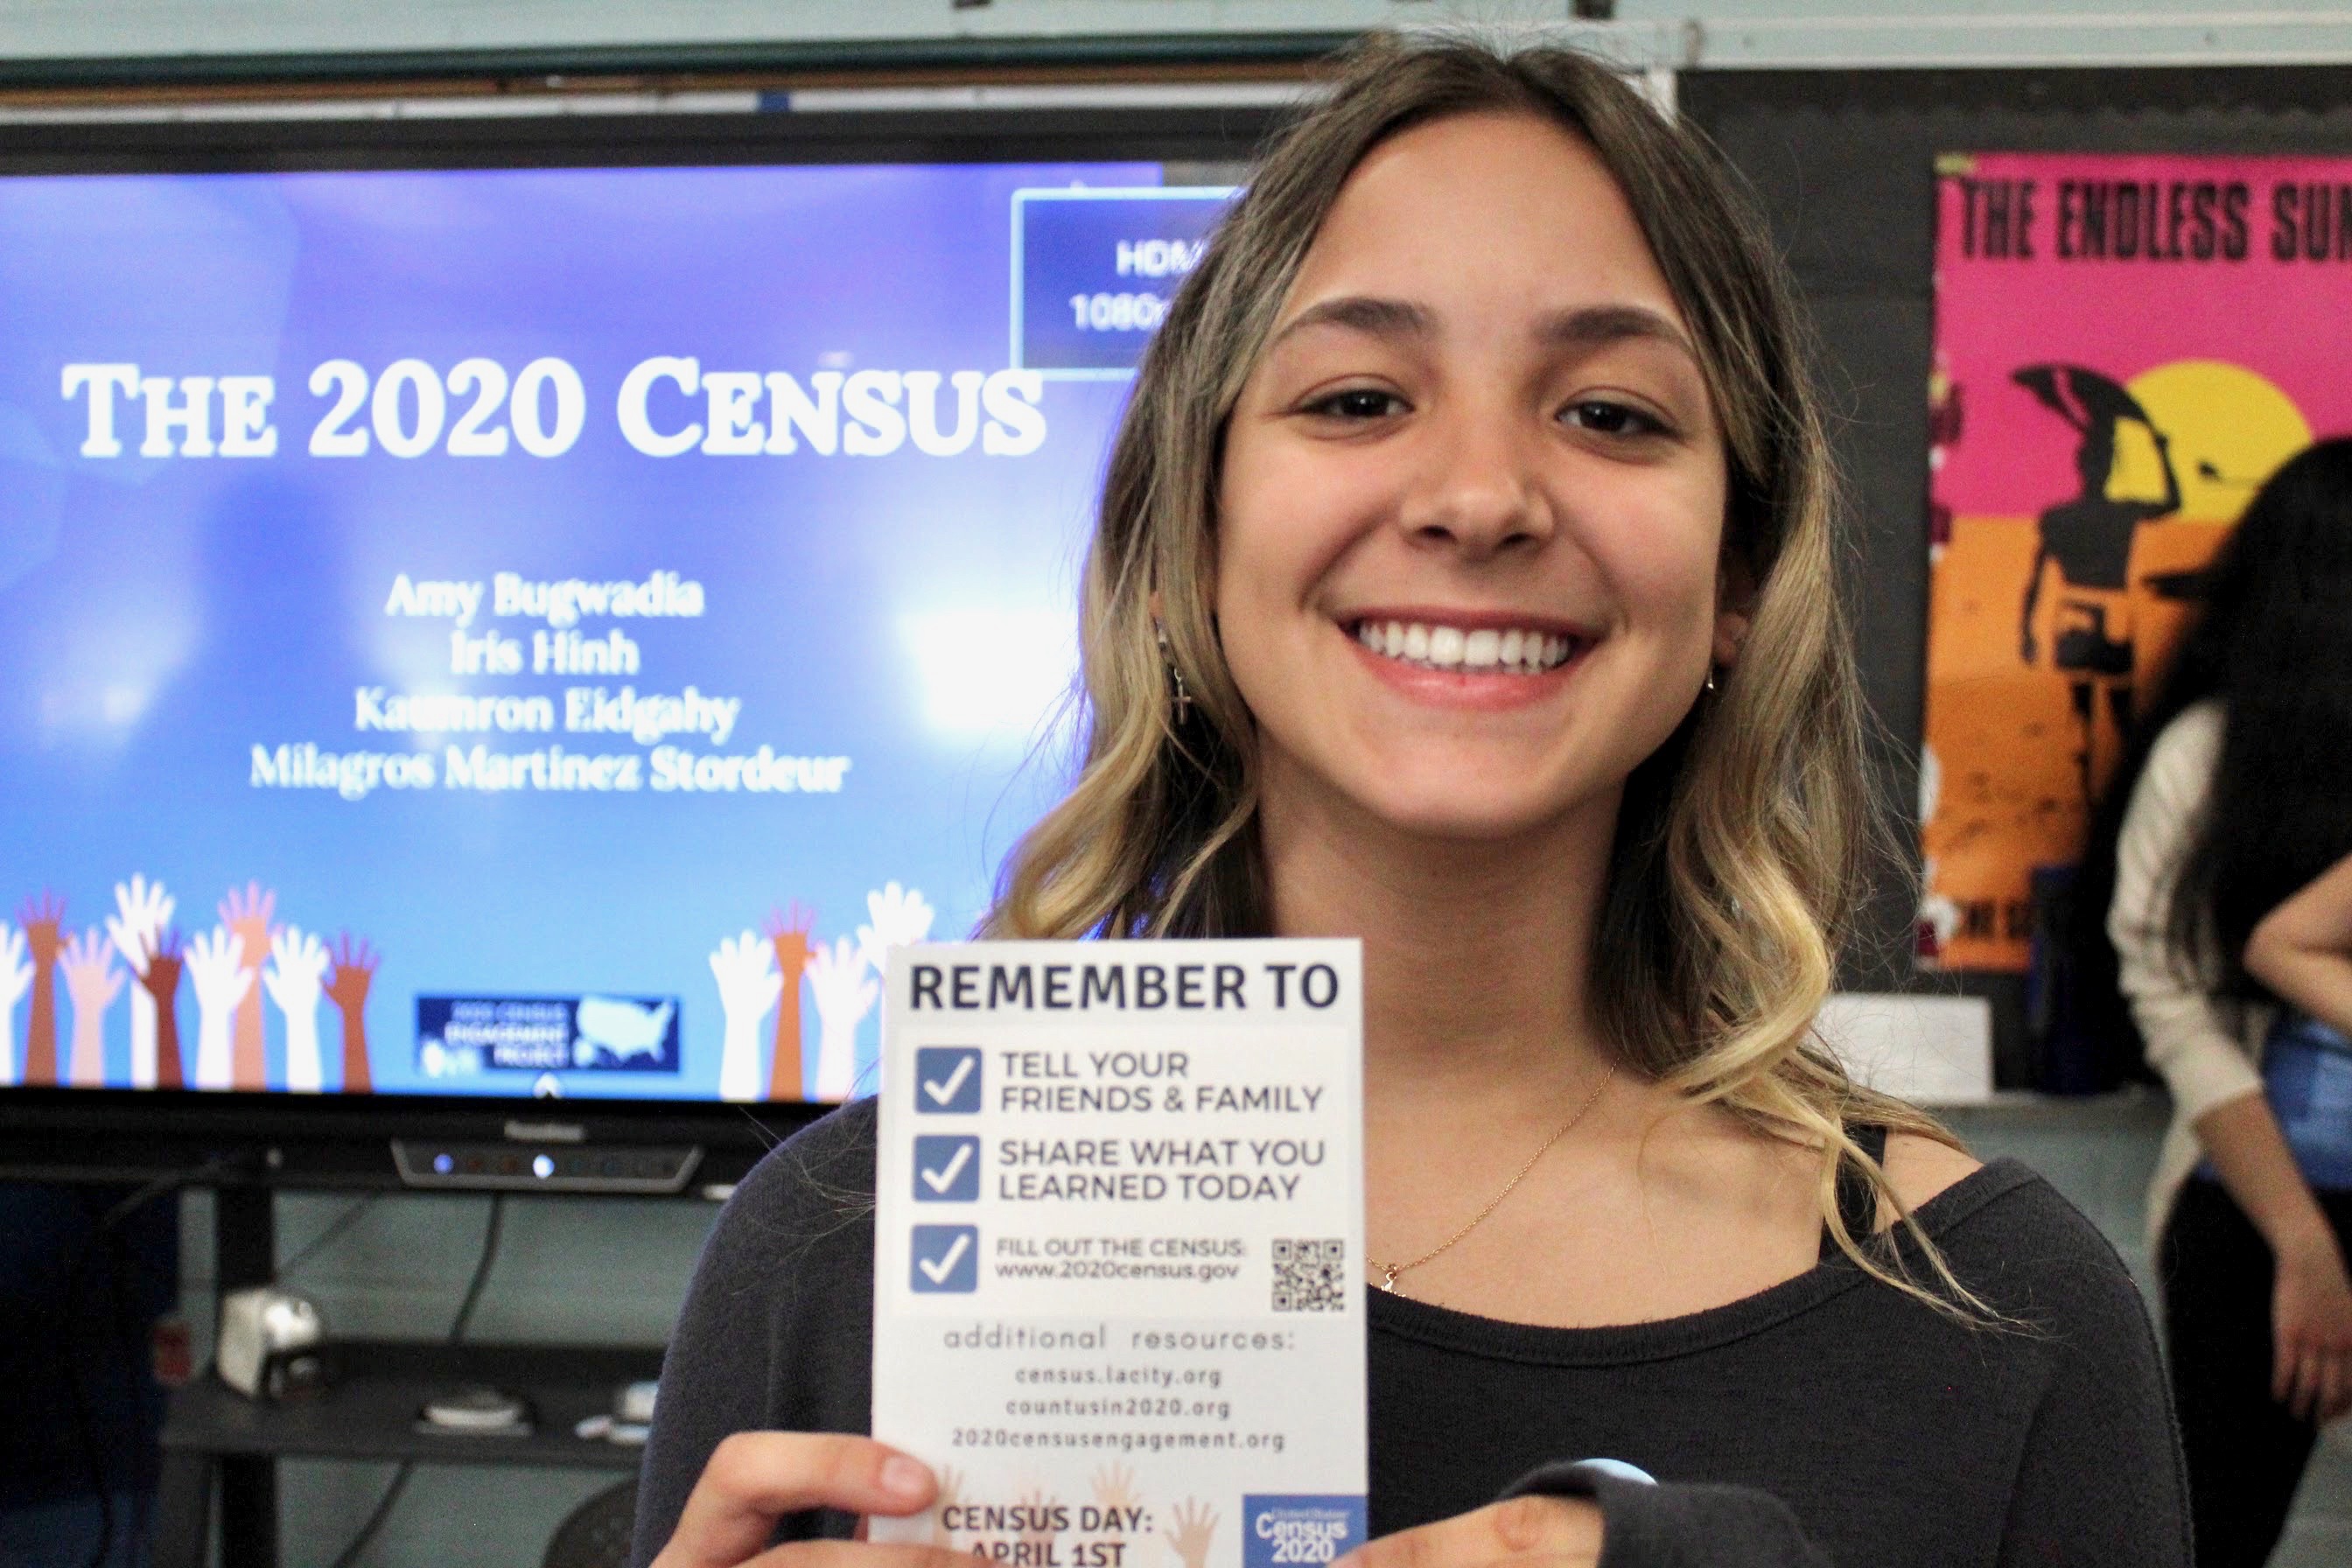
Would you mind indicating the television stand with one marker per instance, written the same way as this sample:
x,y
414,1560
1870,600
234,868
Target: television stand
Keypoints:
x,y
214,1437
369,1412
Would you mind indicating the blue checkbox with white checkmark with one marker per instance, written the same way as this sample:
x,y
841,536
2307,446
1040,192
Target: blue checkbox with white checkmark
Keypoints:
x,y
947,1169
947,1079
946,1259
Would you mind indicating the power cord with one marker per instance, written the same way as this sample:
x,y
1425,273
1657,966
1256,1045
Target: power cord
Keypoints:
x,y
400,1476
375,1520
327,1238
490,1228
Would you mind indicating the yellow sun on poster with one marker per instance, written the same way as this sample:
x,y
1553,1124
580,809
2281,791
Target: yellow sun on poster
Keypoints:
x,y
2230,427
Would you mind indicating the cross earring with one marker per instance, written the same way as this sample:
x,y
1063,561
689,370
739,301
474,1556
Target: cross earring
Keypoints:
x,y
1184,700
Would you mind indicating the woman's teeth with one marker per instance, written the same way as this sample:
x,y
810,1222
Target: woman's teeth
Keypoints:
x,y
1512,652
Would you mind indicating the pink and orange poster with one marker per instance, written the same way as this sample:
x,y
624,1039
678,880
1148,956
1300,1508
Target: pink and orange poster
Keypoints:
x,y
2125,348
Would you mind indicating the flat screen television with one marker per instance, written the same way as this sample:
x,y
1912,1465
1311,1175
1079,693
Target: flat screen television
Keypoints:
x,y
503,623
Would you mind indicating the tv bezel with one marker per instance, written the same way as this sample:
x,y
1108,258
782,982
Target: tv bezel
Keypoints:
x,y
331,1140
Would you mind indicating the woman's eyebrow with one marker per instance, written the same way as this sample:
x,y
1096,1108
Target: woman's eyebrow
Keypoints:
x,y
1584,327
1594,326
1363,313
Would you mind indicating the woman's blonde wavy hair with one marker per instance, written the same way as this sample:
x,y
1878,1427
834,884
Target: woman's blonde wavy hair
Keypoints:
x,y
1739,848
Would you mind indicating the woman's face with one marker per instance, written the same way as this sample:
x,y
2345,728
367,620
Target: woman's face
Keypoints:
x,y
1470,517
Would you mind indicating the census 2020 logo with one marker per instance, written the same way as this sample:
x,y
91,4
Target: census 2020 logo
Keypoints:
x,y
1287,1530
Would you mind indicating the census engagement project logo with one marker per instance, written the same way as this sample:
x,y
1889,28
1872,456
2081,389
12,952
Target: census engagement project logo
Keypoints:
x,y
1286,1530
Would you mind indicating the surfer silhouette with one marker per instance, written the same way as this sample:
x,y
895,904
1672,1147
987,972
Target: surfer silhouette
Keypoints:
x,y
2085,543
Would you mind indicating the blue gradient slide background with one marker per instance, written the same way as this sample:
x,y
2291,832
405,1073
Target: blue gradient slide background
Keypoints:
x,y
160,616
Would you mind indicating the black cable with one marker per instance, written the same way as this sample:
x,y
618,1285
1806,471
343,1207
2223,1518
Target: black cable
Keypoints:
x,y
490,1228
374,1522
327,1238
85,1424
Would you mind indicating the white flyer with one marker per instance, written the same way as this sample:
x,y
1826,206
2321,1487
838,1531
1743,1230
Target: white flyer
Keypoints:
x,y
1118,1301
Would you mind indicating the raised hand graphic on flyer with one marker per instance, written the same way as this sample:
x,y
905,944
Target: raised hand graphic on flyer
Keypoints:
x,y
844,988
789,931
1114,1487
216,969
42,920
1036,1542
355,966
15,980
745,968
142,909
246,912
93,983
1195,1532
161,982
297,968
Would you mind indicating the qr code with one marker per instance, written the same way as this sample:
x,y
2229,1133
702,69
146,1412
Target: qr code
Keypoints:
x,y
1307,1277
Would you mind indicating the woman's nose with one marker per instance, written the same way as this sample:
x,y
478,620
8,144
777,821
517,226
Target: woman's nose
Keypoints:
x,y
1479,490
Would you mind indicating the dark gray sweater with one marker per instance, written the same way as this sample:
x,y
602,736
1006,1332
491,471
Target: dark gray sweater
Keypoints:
x,y
1828,1421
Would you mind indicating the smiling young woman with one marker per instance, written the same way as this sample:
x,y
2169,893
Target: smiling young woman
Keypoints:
x,y
1462,583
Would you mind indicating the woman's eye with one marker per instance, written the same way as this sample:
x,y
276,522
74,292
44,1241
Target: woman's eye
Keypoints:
x,y
1358,403
1607,418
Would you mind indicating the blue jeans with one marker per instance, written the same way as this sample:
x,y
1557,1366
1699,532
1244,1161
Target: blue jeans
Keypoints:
x,y
2307,1078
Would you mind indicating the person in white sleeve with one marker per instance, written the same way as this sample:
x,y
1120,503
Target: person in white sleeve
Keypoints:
x,y
2234,800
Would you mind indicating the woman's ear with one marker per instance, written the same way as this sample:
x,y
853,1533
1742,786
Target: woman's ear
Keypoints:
x,y
1735,609
1730,632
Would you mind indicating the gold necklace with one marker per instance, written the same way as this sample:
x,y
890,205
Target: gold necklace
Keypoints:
x,y
1390,1271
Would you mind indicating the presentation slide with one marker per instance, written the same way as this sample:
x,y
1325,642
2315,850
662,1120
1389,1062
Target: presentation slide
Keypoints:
x,y
536,632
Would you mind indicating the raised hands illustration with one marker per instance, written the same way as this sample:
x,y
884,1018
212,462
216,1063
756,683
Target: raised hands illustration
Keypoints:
x,y
1036,1542
1196,1527
298,967
789,931
1114,1487
42,920
355,966
142,909
93,983
218,972
841,983
15,979
899,917
745,968
160,984
246,912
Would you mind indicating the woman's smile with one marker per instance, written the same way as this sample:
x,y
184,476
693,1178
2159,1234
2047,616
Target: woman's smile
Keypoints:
x,y
1468,658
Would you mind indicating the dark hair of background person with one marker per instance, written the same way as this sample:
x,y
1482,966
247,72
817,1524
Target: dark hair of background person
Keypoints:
x,y
2273,643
